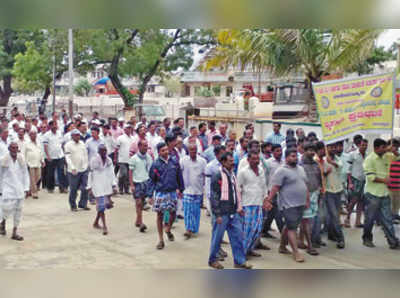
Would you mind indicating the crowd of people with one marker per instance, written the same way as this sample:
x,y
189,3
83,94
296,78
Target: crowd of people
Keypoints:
x,y
307,187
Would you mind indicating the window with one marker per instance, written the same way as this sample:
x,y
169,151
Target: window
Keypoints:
x,y
187,90
197,91
216,90
229,91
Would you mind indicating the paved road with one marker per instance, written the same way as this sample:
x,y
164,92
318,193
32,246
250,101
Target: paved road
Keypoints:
x,y
57,238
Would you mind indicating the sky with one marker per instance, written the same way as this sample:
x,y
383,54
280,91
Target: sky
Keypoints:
x,y
388,37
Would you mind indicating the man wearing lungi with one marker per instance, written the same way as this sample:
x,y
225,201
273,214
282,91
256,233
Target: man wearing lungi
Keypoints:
x,y
253,187
193,168
101,185
167,182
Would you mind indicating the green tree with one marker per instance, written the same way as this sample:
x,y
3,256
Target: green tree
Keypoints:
x,y
377,57
12,42
173,85
83,88
33,68
143,54
315,52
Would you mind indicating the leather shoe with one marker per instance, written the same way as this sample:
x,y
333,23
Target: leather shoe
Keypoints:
x,y
85,208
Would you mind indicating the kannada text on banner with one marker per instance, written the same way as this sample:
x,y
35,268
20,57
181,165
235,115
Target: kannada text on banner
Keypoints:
x,y
351,106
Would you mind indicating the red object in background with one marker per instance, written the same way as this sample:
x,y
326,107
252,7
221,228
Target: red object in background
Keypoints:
x,y
263,97
397,103
109,89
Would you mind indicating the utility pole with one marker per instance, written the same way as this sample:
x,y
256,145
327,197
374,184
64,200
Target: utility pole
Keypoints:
x,y
54,77
70,72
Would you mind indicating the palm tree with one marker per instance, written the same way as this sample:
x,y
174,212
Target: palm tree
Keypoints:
x,y
315,52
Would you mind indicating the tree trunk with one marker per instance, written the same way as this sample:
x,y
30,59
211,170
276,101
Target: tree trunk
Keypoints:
x,y
47,93
126,96
311,103
6,91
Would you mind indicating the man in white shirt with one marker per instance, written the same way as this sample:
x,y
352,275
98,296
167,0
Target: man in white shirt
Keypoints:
x,y
3,145
253,187
35,160
124,144
93,143
153,138
76,157
193,169
14,185
109,141
52,141
101,185
193,138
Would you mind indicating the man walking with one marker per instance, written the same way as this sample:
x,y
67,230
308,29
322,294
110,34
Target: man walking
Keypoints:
x,y
271,166
124,143
76,156
227,207
35,161
193,170
356,183
14,185
139,167
167,182
251,181
101,185
290,181
52,141
334,189
377,200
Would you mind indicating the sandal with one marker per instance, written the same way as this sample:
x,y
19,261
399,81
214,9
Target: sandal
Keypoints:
x,y
216,265
105,232
298,258
312,252
302,246
284,250
187,235
160,245
170,236
17,237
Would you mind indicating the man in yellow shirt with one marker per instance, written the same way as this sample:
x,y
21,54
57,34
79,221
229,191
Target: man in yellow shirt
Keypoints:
x,y
377,200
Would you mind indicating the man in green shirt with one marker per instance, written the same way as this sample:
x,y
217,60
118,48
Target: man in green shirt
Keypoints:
x,y
377,200
334,189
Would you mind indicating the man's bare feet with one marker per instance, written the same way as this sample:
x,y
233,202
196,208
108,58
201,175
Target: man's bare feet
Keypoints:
x,y
97,226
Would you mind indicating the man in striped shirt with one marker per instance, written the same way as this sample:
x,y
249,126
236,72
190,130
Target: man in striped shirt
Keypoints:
x,y
275,137
393,158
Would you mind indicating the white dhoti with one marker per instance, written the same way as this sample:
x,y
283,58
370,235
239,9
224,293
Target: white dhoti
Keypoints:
x,y
11,207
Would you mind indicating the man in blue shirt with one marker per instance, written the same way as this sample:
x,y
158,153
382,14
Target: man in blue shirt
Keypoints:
x,y
166,182
202,135
275,137
209,153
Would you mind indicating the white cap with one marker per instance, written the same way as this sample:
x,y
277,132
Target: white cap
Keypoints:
x,y
75,132
121,119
